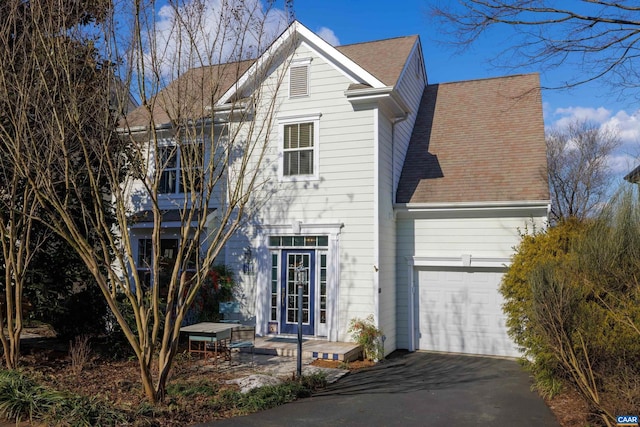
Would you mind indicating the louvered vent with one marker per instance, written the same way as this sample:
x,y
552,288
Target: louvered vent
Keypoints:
x,y
299,80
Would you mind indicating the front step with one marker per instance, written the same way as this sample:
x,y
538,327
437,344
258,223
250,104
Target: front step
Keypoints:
x,y
316,349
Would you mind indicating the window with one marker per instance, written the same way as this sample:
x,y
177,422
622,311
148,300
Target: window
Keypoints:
x,y
323,288
167,261
274,287
169,164
299,80
181,167
299,241
298,149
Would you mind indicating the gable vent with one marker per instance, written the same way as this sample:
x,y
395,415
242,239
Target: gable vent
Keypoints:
x,y
299,80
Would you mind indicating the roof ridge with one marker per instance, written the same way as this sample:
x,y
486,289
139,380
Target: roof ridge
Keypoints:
x,y
377,41
480,79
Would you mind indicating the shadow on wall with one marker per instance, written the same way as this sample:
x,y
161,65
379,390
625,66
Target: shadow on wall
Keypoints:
x,y
420,164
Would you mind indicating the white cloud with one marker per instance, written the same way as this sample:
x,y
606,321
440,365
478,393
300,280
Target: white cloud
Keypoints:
x,y
204,32
328,35
571,114
627,126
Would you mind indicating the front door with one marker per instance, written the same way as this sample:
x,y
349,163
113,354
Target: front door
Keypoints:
x,y
299,270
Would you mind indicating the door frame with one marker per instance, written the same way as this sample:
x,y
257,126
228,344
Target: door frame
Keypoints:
x,y
265,250
286,327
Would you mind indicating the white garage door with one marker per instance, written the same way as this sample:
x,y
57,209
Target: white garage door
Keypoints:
x,y
460,310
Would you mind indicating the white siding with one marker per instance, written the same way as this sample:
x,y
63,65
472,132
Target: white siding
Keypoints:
x,y
392,148
410,88
487,235
386,239
344,192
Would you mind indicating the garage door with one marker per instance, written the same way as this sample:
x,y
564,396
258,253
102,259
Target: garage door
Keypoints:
x,y
460,310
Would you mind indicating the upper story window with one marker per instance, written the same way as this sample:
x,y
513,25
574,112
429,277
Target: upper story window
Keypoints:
x,y
181,167
299,78
299,147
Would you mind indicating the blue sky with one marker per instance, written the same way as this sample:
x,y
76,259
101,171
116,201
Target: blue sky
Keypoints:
x,y
356,21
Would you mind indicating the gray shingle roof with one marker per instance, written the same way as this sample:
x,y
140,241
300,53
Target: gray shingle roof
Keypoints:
x,y
188,95
385,59
477,141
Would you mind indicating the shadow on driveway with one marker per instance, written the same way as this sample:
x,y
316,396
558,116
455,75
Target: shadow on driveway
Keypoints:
x,y
418,389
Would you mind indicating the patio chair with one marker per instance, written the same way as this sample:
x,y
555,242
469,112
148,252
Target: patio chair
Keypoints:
x,y
243,338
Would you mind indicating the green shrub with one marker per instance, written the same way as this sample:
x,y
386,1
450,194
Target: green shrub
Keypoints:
x,y
572,304
203,387
22,398
268,397
219,286
536,251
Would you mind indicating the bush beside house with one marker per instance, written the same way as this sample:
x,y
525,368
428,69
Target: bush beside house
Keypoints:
x,y
572,297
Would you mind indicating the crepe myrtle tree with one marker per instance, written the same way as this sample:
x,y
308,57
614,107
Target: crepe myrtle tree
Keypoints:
x,y
19,244
599,39
179,148
27,29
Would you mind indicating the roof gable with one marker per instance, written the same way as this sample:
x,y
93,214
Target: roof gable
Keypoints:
x,y
297,33
477,141
195,91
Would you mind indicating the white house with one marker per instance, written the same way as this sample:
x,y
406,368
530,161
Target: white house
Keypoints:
x,y
395,197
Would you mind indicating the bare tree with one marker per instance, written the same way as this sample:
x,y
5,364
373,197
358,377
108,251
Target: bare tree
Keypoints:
x,y
21,237
19,243
578,170
598,37
184,158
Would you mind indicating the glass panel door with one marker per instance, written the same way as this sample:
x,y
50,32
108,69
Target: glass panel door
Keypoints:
x,y
298,271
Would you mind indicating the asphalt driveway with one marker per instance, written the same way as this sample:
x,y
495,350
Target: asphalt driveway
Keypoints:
x,y
418,389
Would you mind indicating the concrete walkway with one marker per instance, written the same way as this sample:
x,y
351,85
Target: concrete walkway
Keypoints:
x,y
418,389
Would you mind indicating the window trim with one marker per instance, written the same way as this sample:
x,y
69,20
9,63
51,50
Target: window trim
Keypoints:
x,y
292,120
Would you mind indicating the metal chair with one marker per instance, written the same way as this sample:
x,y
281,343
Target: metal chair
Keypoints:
x,y
242,338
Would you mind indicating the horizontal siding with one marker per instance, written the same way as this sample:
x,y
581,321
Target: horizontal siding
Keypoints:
x,y
410,87
486,237
344,192
386,237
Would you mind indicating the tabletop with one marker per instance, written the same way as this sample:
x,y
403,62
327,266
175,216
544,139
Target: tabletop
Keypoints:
x,y
208,328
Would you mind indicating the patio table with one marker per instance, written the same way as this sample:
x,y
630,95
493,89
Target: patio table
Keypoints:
x,y
204,334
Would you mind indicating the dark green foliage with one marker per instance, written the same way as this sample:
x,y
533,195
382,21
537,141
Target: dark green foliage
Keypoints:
x,y
268,397
573,306
63,293
35,90
21,398
203,387
218,287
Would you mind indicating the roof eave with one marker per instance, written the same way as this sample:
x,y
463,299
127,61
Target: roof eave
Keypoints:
x,y
387,96
633,176
490,205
